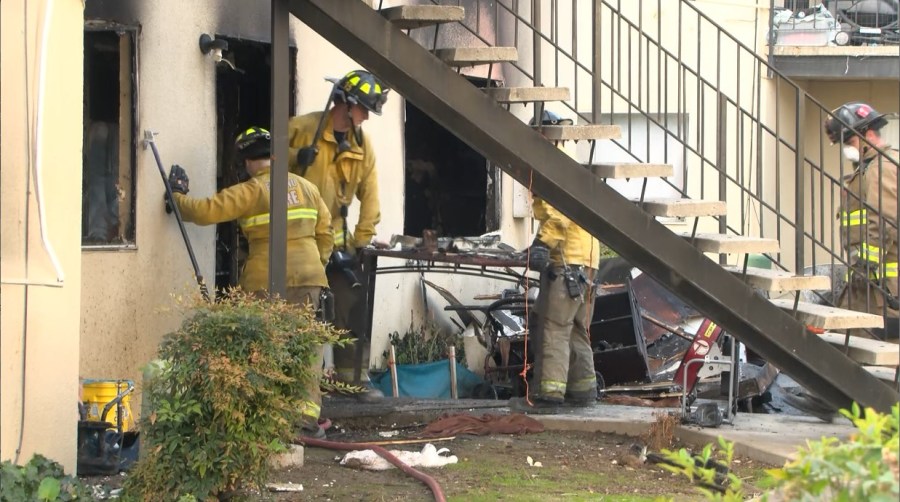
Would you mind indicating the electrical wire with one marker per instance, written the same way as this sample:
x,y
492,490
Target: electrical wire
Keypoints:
x,y
25,240
38,158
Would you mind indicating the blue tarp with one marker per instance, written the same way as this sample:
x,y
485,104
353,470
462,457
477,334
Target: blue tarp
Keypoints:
x,y
428,380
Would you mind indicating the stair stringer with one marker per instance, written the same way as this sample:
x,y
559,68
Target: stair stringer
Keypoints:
x,y
452,101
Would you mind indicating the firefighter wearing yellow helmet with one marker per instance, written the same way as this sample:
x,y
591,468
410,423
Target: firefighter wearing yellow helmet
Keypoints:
x,y
309,235
329,149
567,257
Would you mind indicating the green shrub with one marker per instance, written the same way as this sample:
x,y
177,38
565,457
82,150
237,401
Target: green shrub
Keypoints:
x,y
865,467
40,479
227,397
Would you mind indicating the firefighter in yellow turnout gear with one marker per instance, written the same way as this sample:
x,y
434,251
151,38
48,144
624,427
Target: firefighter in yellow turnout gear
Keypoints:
x,y
868,216
309,234
329,149
567,257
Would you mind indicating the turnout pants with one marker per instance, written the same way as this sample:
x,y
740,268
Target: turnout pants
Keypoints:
x,y
861,297
349,314
564,361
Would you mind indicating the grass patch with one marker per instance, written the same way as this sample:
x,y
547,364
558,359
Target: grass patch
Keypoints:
x,y
476,480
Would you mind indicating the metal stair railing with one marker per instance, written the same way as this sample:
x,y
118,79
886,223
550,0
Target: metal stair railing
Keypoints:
x,y
733,142
809,210
472,116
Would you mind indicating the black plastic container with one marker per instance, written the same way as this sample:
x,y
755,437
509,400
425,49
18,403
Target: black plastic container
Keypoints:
x,y
617,338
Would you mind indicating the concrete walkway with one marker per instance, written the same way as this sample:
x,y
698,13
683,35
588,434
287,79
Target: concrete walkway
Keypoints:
x,y
772,439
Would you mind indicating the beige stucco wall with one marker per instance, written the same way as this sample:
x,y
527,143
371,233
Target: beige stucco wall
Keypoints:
x,y
128,294
39,324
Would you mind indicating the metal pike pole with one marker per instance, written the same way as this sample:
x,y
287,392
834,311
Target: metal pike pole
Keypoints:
x,y
148,140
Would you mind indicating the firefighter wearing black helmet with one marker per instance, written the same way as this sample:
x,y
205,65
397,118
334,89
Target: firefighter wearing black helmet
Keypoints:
x,y
309,235
567,257
868,216
329,149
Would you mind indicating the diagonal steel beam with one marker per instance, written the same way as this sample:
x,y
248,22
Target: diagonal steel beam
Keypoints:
x,y
452,101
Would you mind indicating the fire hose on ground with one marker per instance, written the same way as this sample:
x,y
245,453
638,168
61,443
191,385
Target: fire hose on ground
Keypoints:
x,y
336,445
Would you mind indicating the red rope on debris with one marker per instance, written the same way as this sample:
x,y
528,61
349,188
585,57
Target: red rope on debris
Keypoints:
x,y
525,365
337,445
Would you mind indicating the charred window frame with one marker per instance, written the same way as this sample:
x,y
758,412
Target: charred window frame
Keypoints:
x,y
449,187
109,157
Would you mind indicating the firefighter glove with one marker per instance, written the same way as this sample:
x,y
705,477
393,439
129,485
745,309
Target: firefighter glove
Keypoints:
x,y
306,156
538,256
178,180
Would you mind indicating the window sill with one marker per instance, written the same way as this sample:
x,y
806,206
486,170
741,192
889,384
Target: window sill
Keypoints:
x,y
108,247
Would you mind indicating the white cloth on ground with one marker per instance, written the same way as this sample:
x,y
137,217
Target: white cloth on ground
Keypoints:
x,y
428,457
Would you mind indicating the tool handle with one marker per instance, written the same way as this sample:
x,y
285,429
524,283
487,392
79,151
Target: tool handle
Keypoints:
x,y
318,134
187,242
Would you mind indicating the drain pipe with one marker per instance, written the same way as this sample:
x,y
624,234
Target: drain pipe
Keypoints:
x,y
337,445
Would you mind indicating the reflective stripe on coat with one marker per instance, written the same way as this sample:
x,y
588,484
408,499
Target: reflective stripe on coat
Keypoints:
x,y
870,196
309,236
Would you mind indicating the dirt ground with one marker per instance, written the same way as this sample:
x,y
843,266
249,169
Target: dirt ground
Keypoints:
x,y
574,466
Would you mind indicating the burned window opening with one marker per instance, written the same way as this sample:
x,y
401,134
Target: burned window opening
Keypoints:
x,y
108,173
450,188
243,99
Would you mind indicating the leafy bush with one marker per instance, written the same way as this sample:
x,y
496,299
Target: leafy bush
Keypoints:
x,y
39,479
866,467
863,468
227,397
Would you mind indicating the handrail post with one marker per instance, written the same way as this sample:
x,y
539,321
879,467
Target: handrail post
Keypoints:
x,y
596,80
536,54
770,39
722,161
278,129
799,186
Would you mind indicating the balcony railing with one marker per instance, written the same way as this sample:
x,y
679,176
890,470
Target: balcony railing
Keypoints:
x,y
834,22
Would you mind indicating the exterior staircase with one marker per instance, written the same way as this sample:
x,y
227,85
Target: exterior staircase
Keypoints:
x,y
781,330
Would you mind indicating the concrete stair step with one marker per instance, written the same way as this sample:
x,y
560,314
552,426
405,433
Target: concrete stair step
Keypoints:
x,y
828,317
866,350
628,171
527,94
472,56
683,208
732,244
580,132
417,16
780,280
884,373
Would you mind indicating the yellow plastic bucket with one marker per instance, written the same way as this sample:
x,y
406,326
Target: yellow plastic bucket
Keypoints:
x,y
96,394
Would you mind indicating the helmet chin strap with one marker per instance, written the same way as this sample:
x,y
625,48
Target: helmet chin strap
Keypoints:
x,y
357,132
